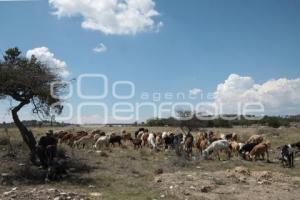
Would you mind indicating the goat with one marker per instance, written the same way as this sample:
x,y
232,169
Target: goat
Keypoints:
x,y
216,147
81,133
188,144
234,137
255,139
229,136
235,147
115,139
144,138
94,132
259,150
137,143
78,135
126,137
151,140
66,138
246,148
296,145
201,145
287,156
102,141
200,141
138,131
158,140
84,141
60,134
140,134
165,134
169,140
96,136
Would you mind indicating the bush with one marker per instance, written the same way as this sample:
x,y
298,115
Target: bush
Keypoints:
x,y
61,152
77,166
30,172
274,124
4,141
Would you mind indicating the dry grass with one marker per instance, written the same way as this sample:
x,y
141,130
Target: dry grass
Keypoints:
x,y
126,173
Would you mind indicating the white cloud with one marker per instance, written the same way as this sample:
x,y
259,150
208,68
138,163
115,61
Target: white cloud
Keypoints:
x,y
280,96
120,17
45,56
101,48
195,91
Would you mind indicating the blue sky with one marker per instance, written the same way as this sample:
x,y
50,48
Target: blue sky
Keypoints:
x,y
199,45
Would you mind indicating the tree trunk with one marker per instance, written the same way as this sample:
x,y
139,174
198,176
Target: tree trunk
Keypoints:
x,y
27,135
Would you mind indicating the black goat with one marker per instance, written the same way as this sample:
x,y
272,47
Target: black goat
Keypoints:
x,y
246,149
169,141
115,139
287,156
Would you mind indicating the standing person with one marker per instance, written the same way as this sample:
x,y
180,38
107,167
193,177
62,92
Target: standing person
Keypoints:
x,y
47,148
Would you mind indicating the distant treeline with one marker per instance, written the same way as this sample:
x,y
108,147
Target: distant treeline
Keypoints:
x,y
272,121
34,123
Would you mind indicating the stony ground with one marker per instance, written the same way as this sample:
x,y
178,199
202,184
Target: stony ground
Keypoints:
x,y
45,193
238,183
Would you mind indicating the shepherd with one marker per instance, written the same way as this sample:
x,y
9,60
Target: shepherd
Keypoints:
x,y
46,149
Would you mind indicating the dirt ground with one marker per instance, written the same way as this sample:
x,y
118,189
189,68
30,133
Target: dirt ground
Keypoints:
x,y
238,183
125,173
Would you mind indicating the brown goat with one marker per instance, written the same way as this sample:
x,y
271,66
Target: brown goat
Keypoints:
x,y
144,138
60,134
235,147
259,150
126,137
201,142
137,143
66,138
158,140
255,139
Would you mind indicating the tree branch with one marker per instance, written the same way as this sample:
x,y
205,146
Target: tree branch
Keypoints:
x,y
18,107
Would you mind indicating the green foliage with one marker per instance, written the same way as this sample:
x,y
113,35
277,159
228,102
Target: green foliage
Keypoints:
x,y
272,121
219,122
162,122
29,81
276,122
35,123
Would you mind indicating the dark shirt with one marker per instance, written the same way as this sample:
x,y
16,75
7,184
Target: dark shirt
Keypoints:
x,y
47,140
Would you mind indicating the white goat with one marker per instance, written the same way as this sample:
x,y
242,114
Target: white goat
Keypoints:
x,y
216,147
96,136
102,140
140,134
241,145
151,140
165,134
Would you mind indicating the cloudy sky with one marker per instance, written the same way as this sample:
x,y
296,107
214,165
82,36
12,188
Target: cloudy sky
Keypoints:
x,y
238,50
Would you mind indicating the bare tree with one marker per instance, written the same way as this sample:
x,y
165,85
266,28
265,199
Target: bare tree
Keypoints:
x,y
188,121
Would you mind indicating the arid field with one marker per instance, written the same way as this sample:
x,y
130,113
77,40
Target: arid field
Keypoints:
x,y
126,173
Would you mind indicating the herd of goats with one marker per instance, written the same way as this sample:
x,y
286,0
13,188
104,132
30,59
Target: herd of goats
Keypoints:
x,y
208,144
